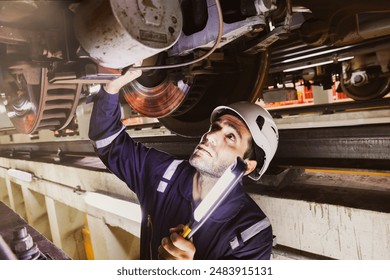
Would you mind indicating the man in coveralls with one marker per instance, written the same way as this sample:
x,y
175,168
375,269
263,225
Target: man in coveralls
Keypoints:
x,y
169,189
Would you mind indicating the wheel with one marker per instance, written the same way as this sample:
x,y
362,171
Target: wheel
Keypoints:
x,y
368,84
184,106
22,98
37,105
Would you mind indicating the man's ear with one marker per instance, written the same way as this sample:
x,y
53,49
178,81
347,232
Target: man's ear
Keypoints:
x,y
251,165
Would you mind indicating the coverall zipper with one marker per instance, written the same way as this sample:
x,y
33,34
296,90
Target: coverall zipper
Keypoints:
x,y
149,226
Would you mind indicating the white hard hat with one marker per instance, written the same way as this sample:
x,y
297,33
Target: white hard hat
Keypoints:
x,y
262,128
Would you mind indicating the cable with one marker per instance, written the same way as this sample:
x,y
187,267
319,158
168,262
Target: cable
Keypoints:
x,y
217,41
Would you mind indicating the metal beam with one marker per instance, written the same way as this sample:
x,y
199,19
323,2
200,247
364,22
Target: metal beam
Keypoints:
x,y
361,147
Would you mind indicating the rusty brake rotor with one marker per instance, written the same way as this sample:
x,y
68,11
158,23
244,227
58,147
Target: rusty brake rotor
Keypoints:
x,y
157,101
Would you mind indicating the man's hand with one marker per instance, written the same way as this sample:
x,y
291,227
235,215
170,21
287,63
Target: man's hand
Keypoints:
x,y
114,86
175,247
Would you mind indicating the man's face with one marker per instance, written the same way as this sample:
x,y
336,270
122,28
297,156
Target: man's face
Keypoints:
x,y
227,138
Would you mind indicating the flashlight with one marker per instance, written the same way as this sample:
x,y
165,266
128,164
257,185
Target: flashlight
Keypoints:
x,y
222,188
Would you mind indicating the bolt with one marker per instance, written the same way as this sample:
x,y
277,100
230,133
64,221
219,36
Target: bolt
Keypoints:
x,y
22,241
20,233
358,79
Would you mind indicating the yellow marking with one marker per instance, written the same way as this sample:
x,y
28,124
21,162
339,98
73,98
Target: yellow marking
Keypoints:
x,y
350,172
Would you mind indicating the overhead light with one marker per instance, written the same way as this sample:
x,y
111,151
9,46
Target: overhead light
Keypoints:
x,y
315,54
317,64
21,175
301,9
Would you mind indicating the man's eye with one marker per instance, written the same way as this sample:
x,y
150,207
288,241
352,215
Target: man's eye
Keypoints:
x,y
231,137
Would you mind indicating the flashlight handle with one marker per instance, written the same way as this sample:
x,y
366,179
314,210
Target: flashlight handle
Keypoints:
x,y
186,231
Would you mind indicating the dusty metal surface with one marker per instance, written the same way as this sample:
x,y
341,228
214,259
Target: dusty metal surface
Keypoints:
x,y
106,28
11,221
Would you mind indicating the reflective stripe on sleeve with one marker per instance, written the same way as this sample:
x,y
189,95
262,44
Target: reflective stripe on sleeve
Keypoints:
x,y
250,232
108,140
168,175
162,186
234,243
255,229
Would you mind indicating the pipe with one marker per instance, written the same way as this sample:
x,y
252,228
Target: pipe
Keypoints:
x,y
5,251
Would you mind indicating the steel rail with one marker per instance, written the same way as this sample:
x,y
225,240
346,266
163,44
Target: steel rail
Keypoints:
x,y
351,147
381,103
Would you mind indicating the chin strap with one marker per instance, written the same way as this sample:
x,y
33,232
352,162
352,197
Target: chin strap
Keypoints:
x,y
258,171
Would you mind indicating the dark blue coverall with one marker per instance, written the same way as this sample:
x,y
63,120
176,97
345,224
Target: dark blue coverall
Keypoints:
x,y
238,229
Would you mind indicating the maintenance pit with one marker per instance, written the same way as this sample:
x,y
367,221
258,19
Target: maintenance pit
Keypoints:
x,y
326,193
